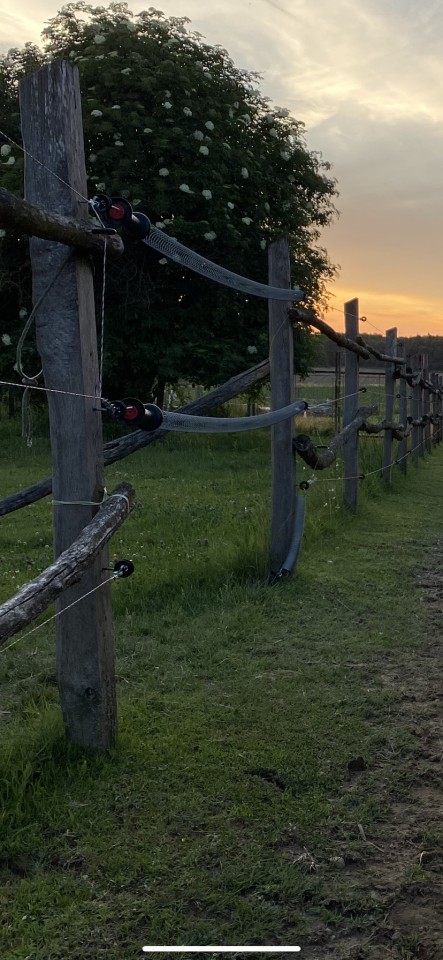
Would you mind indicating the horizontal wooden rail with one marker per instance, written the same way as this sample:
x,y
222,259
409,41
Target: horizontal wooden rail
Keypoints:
x,y
36,595
23,217
358,346
307,450
118,449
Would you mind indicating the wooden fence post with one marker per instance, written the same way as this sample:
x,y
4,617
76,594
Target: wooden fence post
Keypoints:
x,y
415,411
67,343
390,387
422,361
337,392
440,406
350,407
281,359
427,408
403,415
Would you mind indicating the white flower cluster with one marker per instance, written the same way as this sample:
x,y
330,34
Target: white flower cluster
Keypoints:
x,y
96,113
163,172
204,151
210,235
6,339
207,194
185,188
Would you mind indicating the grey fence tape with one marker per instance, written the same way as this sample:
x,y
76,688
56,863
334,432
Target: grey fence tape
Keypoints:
x,y
180,254
190,424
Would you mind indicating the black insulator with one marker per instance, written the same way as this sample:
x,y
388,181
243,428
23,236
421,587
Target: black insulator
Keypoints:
x,y
410,419
138,227
362,390
300,443
145,416
304,485
123,568
118,212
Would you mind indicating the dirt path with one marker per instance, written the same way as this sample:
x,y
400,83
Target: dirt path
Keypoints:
x,y
400,877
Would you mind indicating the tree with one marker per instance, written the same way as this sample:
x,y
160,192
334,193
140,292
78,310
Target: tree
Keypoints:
x,y
171,124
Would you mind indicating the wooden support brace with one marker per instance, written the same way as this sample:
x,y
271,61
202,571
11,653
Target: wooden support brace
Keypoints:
x,y
69,566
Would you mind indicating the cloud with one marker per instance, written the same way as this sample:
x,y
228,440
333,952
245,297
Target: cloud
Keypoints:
x,y
366,77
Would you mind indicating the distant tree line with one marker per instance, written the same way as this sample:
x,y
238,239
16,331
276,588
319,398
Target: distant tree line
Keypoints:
x,y
326,350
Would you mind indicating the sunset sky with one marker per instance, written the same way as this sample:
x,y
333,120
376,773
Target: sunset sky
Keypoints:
x,y
366,77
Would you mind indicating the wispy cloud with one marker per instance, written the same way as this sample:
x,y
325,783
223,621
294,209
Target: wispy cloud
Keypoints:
x,y
366,78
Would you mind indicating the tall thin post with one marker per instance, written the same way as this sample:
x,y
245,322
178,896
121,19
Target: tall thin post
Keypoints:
x,y
422,362
390,387
67,343
337,392
415,412
281,359
427,407
350,453
440,407
403,415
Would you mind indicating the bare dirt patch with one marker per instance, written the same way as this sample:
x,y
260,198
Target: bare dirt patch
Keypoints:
x,y
399,878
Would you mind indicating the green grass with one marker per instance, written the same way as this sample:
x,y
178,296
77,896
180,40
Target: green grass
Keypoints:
x,y
240,707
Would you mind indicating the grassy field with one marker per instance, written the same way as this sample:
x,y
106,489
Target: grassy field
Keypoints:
x,y
245,711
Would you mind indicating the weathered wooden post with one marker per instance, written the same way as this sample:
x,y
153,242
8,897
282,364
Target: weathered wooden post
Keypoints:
x,y
403,416
427,407
390,386
422,361
337,392
415,411
350,452
66,339
440,406
281,360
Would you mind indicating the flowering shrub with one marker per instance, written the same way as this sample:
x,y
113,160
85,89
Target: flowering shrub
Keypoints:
x,y
209,161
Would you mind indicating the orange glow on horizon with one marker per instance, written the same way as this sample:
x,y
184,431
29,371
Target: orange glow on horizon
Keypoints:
x,y
413,316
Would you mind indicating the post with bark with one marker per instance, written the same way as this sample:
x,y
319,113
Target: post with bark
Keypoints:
x,y
434,408
427,407
390,389
415,411
281,359
350,456
422,362
440,407
403,415
67,343
337,392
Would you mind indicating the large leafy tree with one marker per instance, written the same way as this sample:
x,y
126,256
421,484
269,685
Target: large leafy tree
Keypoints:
x,y
174,126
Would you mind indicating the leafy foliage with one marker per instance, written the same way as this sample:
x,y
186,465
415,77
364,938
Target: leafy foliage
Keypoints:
x,y
174,126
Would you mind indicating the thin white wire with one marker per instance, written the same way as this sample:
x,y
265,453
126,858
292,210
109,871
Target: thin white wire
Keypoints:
x,y
360,476
53,174
115,576
48,170
66,393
